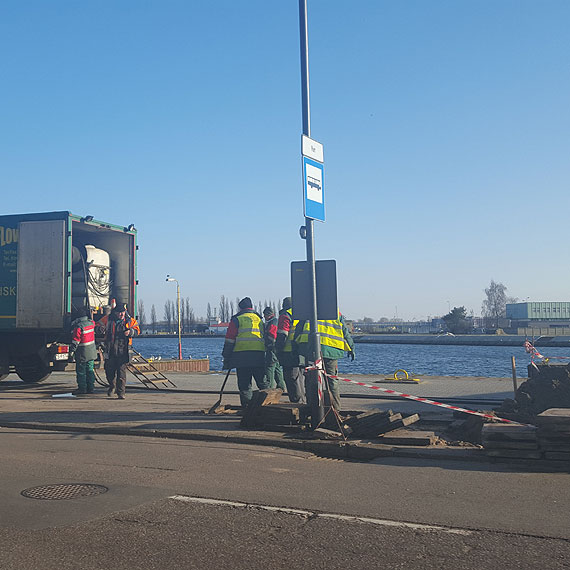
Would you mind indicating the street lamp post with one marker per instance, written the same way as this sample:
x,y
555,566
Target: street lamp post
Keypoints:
x,y
168,278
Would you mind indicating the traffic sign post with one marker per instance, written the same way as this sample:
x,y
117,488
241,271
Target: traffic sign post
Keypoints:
x,y
310,151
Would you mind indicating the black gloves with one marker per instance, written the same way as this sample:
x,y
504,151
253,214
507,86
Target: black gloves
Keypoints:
x,y
350,355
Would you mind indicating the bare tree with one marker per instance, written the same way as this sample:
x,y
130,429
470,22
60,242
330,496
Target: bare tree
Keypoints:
x,y
141,316
222,312
224,309
190,319
153,319
232,311
208,313
495,305
168,315
182,315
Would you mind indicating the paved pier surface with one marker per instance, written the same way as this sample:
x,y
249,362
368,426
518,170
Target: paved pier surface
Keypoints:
x,y
179,412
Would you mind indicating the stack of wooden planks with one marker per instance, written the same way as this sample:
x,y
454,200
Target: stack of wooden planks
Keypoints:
x,y
514,441
554,433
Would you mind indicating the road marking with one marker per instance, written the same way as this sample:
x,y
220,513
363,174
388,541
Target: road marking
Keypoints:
x,y
313,515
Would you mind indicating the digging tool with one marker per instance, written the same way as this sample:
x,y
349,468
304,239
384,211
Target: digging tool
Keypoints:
x,y
216,407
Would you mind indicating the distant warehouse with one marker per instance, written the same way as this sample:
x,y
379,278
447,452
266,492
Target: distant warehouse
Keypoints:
x,y
544,318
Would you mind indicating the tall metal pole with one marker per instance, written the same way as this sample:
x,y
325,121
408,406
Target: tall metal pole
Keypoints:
x,y
168,278
314,337
179,327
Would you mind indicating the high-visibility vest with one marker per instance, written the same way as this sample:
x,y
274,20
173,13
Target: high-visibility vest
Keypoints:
x,y
84,333
330,333
249,335
288,347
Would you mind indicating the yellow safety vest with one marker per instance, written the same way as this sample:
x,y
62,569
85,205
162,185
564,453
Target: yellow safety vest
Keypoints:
x,y
249,335
289,342
330,332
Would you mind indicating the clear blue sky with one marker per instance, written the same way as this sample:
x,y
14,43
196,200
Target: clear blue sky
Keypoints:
x,y
446,128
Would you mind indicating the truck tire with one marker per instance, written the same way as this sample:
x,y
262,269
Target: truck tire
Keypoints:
x,y
4,365
32,371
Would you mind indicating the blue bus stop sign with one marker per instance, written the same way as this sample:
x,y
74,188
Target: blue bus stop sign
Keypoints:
x,y
314,189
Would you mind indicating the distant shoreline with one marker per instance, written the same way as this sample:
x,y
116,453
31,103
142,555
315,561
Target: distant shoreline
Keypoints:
x,y
183,335
462,340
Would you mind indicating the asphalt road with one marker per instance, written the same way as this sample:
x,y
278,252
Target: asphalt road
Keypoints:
x,y
469,515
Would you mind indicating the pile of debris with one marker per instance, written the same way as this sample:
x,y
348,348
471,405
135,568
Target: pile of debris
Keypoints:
x,y
548,386
266,412
389,427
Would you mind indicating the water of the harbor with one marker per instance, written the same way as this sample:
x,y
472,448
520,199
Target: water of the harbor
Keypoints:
x,y
433,360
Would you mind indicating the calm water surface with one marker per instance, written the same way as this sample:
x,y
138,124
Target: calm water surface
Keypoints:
x,y
493,361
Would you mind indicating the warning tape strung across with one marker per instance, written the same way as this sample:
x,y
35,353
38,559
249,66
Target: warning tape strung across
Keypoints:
x,y
427,401
529,347
319,366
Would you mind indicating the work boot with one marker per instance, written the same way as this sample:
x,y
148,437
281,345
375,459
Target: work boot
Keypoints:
x,y
110,391
121,396
79,392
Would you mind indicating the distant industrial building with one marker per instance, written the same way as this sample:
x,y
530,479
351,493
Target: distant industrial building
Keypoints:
x,y
543,318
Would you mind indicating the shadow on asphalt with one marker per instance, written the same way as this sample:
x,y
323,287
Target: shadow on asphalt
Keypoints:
x,y
148,420
511,466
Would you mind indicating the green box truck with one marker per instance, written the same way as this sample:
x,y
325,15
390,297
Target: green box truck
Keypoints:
x,y
51,265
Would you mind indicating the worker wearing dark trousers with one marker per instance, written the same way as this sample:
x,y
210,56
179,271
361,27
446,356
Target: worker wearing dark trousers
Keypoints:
x,y
84,351
288,355
273,370
335,341
120,331
244,350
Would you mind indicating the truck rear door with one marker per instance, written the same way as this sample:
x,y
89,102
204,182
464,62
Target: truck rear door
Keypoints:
x,y
42,263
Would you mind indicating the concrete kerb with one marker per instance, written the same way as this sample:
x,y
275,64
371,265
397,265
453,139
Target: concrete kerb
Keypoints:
x,y
332,449
354,450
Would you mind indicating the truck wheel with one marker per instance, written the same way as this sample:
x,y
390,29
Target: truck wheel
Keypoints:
x,y
34,370
4,366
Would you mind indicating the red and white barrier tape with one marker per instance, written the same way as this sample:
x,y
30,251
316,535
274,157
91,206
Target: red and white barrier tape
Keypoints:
x,y
528,346
427,401
320,372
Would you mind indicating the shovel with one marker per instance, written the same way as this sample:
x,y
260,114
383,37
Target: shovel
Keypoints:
x,y
216,407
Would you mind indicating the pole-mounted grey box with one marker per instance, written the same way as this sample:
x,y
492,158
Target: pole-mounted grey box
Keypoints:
x,y
327,303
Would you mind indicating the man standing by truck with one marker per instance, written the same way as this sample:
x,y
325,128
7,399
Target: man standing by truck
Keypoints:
x,y
121,329
84,351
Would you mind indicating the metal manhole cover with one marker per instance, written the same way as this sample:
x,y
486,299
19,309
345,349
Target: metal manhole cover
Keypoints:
x,y
64,491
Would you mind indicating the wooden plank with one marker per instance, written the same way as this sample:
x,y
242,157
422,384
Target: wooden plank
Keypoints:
x,y
409,437
510,445
374,415
514,453
562,413
555,447
323,433
559,456
506,429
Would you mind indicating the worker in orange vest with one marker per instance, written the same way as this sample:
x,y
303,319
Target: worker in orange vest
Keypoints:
x,y
121,328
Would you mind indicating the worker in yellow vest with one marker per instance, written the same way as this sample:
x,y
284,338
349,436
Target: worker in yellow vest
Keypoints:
x,y
335,342
287,353
244,350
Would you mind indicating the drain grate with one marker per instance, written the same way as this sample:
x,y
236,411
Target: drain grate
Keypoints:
x,y
64,491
